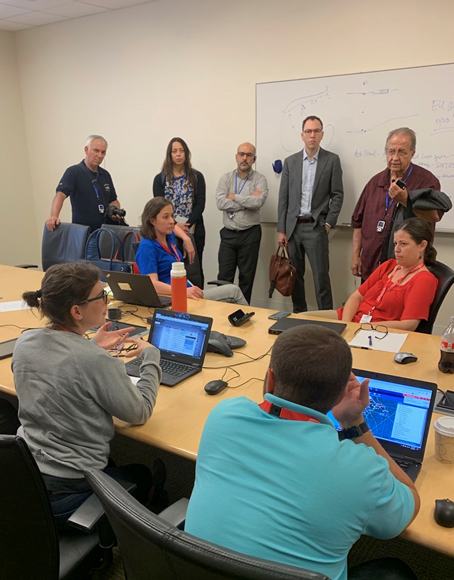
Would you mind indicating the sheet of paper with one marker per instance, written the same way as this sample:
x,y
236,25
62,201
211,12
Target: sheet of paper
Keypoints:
x,y
392,342
15,305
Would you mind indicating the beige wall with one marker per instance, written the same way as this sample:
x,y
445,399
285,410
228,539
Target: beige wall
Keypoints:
x,y
188,68
18,239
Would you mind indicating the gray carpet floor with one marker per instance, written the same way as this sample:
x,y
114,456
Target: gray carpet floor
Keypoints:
x,y
427,564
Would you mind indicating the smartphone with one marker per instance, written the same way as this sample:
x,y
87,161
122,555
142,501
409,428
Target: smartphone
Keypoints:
x,y
7,347
400,184
280,314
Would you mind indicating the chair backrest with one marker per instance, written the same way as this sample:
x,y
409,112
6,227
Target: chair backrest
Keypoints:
x,y
28,538
105,242
193,271
445,277
65,244
153,548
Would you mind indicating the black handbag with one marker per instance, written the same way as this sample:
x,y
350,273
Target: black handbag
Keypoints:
x,y
112,264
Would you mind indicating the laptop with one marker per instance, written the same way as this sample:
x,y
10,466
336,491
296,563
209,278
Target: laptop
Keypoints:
x,y
285,323
183,341
399,415
135,289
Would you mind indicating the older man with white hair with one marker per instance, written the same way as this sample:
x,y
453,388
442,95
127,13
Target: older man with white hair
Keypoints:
x,y
89,186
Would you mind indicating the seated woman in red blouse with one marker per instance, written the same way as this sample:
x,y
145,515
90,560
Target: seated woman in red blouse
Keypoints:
x,y
400,291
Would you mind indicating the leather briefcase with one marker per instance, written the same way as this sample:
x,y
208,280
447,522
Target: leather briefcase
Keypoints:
x,y
282,273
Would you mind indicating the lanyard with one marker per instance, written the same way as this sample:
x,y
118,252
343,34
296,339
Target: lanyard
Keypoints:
x,y
390,285
93,182
389,201
236,183
179,181
286,413
174,254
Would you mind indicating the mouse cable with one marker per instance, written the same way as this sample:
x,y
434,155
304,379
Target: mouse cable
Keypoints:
x,y
245,362
241,384
22,328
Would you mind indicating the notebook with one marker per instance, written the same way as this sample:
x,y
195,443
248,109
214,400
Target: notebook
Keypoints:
x,y
183,341
135,289
399,415
285,323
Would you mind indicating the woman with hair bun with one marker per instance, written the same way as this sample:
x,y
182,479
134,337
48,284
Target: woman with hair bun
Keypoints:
x,y
69,388
400,291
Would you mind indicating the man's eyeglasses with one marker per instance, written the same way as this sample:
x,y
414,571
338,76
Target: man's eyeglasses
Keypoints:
x,y
310,131
399,152
249,155
380,329
104,296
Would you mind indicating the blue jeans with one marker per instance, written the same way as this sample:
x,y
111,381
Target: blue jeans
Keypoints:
x,y
65,504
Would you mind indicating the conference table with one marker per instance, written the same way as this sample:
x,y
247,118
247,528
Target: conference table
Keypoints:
x,y
180,413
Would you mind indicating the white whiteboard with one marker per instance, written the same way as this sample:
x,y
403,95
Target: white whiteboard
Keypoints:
x,y
358,111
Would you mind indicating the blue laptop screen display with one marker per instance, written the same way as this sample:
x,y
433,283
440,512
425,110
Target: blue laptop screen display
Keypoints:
x,y
396,413
179,336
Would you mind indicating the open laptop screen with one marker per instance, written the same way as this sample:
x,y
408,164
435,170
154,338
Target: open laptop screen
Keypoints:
x,y
398,411
179,335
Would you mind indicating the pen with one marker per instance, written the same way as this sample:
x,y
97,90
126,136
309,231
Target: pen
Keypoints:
x,y
361,347
370,340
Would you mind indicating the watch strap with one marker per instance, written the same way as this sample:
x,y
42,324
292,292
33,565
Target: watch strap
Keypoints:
x,y
354,432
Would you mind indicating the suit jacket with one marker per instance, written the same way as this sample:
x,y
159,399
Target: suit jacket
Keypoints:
x,y
327,194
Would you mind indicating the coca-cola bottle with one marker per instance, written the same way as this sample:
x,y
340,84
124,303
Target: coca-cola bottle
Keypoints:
x,y
446,364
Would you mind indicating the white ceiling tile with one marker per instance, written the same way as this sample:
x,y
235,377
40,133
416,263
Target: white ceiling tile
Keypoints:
x,y
37,18
12,26
7,11
115,4
75,10
35,5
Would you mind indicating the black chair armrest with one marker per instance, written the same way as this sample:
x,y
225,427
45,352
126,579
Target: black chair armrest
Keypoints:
x,y
219,282
87,516
175,514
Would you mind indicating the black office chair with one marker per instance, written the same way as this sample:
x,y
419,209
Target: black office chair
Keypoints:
x,y
29,544
153,548
445,277
130,243
65,244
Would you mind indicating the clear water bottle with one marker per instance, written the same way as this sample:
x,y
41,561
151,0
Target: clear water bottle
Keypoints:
x,y
178,285
446,364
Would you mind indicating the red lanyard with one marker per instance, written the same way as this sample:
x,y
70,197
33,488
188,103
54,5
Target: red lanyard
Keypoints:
x,y
390,285
286,413
174,254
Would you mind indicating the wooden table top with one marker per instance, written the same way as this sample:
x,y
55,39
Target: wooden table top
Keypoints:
x,y
180,413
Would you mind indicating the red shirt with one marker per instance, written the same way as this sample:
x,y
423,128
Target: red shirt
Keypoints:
x,y
410,301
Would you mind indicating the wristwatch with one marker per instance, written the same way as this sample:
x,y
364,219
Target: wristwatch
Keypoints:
x,y
353,432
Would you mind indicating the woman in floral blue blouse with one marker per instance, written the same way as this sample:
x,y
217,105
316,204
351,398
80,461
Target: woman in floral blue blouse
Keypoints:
x,y
185,188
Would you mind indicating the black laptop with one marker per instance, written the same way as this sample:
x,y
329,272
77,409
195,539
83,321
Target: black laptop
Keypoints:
x,y
135,289
183,342
285,323
399,415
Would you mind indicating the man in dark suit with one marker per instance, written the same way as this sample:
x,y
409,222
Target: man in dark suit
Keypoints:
x,y
310,199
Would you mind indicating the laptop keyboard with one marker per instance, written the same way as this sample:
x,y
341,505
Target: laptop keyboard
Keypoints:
x,y
169,367
404,465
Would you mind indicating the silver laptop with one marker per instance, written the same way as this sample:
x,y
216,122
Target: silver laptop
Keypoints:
x,y
399,416
135,289
182,340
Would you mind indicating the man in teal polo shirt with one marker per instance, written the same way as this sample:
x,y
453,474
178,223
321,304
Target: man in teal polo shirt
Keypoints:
x,y
274,481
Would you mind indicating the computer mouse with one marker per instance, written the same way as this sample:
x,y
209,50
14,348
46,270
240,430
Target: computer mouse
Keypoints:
x,y
444,513
215,387
405,357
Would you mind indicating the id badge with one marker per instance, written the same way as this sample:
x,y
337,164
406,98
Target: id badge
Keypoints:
x,y
101,208
365,318
231,214
381,226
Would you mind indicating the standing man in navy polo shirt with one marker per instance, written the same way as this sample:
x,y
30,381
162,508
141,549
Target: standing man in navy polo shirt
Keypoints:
x,y
89,187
